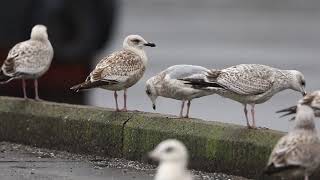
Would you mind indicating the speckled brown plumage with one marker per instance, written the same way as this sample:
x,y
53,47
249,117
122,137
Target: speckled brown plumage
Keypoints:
x,y
120,70
298,152
121,66
250,84
28,59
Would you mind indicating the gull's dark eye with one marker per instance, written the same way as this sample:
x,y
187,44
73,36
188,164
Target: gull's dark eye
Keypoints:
x,y
136,41
169,149
303,83
148,92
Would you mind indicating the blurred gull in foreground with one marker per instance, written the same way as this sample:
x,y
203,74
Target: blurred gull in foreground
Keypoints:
x,y
250,84
173,160
168,84
297,154
28,59
120,70
312,100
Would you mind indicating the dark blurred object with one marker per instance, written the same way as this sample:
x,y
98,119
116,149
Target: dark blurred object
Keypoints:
x,y
77,30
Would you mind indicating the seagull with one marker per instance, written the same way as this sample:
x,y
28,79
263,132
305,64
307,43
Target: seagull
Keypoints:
x,y
311,99
173,159
120,70
28,59
250,84
168,84
297,153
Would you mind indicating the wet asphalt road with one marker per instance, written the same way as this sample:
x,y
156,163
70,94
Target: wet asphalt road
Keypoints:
x,y
218,34
30,163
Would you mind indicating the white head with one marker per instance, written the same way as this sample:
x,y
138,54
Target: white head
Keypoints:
x,y
39,32
151,91
136,42
297,81
304,118
172,151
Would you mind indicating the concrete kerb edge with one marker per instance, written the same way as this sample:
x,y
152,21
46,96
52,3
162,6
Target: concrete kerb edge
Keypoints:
x,y
141,131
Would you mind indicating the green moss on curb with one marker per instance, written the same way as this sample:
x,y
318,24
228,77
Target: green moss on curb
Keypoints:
x,y
60,126
213,146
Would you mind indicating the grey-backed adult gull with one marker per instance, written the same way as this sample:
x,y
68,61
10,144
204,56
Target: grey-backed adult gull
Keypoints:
x,y
168,84
311,99
298,152
173,160
250,84
120,70
28,59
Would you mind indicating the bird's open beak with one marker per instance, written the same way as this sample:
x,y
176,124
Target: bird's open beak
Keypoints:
x,y
150,44
153,106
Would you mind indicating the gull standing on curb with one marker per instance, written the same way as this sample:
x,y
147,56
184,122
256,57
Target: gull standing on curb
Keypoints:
x,y
173,160
250,84
120,70
168,84
297,154
311,99
28,59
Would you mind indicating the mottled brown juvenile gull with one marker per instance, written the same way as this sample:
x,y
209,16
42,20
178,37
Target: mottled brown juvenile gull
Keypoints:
x,y
173,160
311,99
250,84
168,84
28,59
120,70
297,154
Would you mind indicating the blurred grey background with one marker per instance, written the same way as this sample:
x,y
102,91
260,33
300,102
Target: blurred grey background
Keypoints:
x,y
218,34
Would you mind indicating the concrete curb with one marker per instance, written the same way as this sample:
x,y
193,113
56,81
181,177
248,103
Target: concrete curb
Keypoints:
x,y
213,146
62,126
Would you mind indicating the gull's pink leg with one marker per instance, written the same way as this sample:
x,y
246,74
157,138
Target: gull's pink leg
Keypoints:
x,y
116,99
246,114
188,109
306,177
181,111
36,89
124,100
253,118
24,89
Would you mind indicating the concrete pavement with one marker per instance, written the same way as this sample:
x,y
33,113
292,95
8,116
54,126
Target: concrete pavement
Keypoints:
x,y
30,163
